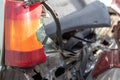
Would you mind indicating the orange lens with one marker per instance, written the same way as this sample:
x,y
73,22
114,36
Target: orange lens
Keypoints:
x,y
22,48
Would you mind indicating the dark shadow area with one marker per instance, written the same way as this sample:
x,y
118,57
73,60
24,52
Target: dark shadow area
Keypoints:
x,y
59,71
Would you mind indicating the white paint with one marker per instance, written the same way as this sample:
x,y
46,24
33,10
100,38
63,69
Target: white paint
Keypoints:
x,y
106,2
89,1
1,26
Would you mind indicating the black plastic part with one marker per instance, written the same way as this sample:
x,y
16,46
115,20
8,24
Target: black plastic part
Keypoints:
x,y
84,33
37,76
59,71
75,42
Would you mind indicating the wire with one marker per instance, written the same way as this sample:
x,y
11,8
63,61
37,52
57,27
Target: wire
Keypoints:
x,y
57,22
89,41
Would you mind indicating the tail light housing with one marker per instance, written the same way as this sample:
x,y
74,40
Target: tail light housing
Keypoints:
x,y
22,49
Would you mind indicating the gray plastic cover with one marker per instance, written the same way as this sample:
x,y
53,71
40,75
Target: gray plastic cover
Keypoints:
x,y
92,16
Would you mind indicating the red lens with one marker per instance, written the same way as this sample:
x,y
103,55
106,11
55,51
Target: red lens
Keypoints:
x,y
22,48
